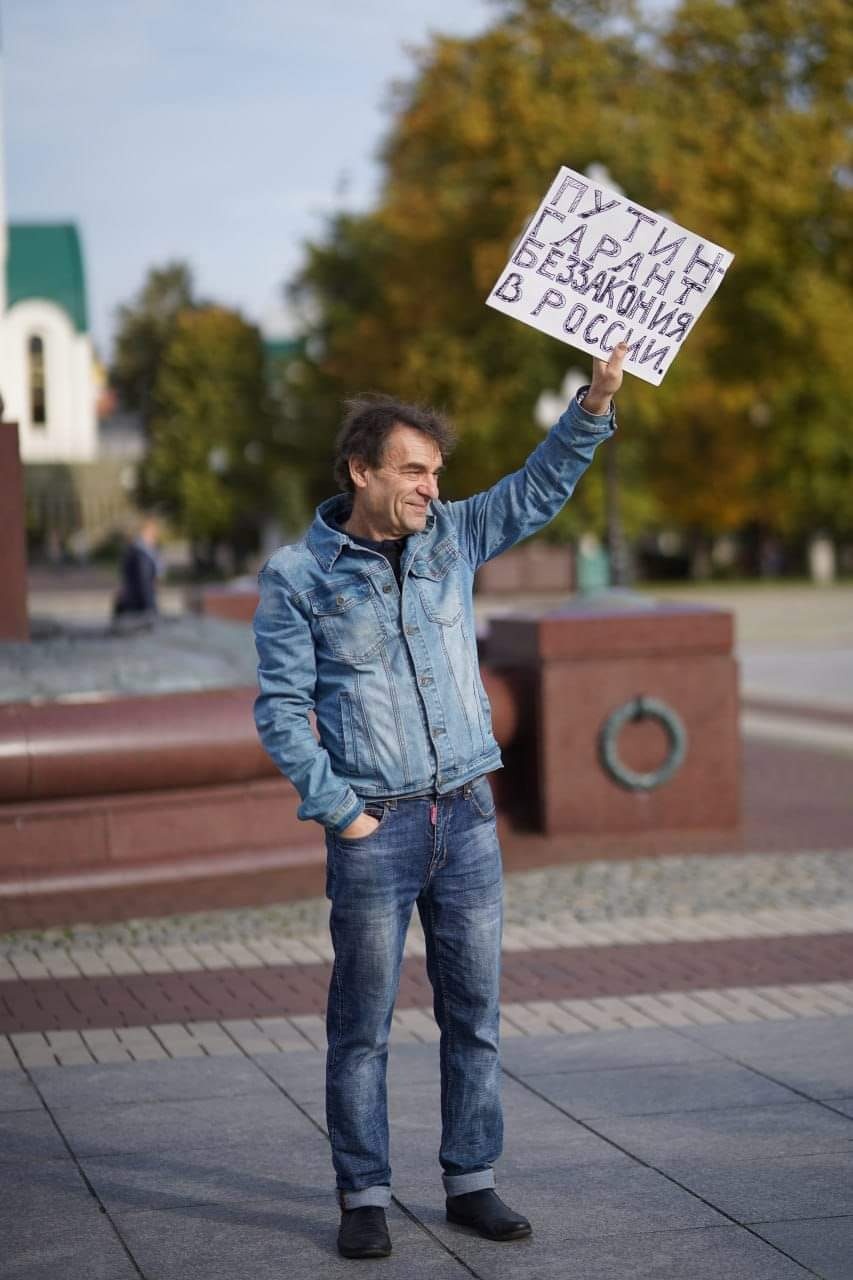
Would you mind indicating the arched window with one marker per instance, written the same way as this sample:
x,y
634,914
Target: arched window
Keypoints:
x,y
38,383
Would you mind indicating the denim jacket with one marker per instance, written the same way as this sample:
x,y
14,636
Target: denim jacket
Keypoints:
x,y
392,674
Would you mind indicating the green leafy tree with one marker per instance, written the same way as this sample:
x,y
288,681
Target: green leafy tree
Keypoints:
x,y
214,463
144,330
733,117
757,95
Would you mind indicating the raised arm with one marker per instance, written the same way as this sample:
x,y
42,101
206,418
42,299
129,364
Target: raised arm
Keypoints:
x,y
287,676
496,519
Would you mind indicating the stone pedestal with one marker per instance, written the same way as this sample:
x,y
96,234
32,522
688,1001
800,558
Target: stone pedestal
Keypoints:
x,y
631,714
13,548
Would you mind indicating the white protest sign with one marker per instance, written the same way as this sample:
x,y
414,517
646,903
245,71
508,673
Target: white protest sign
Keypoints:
x,y
594,269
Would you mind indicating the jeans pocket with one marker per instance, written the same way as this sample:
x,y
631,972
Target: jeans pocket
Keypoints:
x,y
380,811
482,798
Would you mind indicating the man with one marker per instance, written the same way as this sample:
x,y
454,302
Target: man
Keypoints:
x,y
368,621
135,605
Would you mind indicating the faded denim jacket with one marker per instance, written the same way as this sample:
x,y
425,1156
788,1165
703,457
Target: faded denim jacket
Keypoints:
x,y
392,675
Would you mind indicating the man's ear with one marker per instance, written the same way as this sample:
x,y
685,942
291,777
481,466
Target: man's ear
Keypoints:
x,y
358,472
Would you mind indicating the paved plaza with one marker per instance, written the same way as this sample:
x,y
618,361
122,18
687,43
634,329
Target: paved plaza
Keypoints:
x,y
723,1150
677,1025
678,1055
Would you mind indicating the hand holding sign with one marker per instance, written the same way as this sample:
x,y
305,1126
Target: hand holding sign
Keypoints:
x,y
606,380
595,270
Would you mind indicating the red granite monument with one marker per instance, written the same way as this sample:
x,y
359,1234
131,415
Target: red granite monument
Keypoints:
x,y
631,714
14,624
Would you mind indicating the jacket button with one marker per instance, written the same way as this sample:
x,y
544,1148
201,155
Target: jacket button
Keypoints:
x,y
340,600
426,679
411,631
439,730
388,587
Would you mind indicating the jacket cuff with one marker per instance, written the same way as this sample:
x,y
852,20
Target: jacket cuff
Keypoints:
x,y
605,423
343,816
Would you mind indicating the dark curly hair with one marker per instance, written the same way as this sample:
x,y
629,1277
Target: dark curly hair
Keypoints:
x,y
369,421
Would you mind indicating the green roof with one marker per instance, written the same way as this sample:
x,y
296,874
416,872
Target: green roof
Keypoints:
x,y
45,261
283,348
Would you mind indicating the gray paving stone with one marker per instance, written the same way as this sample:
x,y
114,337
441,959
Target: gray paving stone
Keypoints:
x,y
823,1244
843,1104
583,1203
315,1109
300,1075
29,1135
793,1037
785,1187
51,1226
537,1055
169,1126
267,1166
645,1090
729,1136
16,1093
711,1253
269,1239
812,1055
539,1138
826,1074
98,1085
29,1185
85,1249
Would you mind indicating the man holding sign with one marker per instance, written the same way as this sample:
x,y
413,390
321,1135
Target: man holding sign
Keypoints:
x,y
369,622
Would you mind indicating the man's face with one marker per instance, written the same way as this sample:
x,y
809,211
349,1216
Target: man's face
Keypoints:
x,y
150,531
393,499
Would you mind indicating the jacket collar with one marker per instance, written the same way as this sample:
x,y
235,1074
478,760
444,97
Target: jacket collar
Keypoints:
x,y
326,542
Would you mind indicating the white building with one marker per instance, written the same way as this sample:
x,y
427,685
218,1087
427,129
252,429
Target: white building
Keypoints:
x,y
47,371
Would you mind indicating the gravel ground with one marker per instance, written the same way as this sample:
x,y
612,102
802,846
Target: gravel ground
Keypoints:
x,y
589,891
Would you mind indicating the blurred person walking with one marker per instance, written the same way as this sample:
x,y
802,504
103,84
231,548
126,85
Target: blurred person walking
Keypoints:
x,y
368,622
135,606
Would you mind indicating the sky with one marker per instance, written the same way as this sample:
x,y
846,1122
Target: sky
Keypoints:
x,y
220,132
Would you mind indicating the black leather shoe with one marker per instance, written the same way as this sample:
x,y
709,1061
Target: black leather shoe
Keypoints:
x,y
486,1213
364,1233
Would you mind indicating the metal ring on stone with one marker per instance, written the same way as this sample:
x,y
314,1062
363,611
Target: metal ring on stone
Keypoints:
x,y
642,708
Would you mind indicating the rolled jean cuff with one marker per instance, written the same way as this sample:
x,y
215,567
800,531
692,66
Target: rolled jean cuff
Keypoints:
x,y
457,1184
379,1195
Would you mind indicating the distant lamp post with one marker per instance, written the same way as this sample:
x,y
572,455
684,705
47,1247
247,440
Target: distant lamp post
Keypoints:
x,y
217,460
590,568
620,569
551,404
547,410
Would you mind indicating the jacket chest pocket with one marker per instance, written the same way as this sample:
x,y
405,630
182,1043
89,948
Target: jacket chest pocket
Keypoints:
x,y
436,577
348,620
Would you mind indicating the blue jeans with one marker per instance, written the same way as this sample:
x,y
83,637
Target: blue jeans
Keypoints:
x,y
452,870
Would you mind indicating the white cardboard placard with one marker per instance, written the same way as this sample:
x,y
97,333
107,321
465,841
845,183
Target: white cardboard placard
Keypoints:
x,y
594,268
